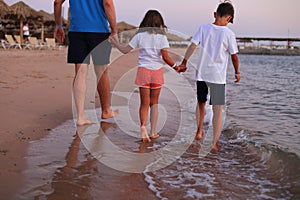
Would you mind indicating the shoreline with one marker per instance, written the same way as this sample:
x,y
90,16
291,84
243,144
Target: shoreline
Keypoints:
x,y
36,97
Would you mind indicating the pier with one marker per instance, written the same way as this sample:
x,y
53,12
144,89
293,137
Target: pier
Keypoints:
x,y
269,46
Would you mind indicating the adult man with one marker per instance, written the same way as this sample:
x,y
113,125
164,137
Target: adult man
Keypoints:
x,y
88,34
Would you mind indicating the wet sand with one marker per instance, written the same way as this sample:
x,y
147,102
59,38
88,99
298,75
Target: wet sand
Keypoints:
x,y
35,91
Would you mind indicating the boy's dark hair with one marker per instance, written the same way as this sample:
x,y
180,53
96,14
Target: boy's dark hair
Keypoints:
x,y
225,9
153,23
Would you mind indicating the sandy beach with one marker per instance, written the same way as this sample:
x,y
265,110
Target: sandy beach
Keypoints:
x,y
35,91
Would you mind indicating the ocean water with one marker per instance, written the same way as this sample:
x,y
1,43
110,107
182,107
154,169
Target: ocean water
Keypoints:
x,y
260,143
259,156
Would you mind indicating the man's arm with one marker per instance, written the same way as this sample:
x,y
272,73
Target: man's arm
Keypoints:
x,y
59,33
111,15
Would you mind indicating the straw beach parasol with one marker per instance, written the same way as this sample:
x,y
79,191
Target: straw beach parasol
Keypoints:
x,y
45,18
22,11
4,9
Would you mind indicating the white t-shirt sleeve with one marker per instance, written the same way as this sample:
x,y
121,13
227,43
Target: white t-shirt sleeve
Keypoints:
x,y
134,42
232,47
164,43
196,39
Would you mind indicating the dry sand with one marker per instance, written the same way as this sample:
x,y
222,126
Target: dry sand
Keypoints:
x,y
35,97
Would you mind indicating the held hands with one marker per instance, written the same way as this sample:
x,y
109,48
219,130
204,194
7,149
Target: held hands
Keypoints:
x,y
114,40
180,68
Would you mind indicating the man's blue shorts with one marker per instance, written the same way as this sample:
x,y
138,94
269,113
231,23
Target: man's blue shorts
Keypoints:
x,y
84,45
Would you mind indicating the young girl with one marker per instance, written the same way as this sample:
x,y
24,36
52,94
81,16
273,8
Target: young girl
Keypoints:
x,y
153,44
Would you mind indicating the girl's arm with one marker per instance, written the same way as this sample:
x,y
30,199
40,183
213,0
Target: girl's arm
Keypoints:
x,y
115,41
167,58
124,49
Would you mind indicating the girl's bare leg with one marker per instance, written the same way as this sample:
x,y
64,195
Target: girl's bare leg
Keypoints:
x,y
144,107
154,96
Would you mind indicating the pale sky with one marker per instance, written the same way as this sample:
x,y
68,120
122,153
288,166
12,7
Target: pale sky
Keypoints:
x,y
256,18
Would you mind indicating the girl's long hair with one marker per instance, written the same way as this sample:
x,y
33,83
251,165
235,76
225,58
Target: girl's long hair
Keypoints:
x,y
153,22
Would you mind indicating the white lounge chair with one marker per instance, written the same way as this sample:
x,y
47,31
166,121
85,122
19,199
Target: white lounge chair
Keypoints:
x,y
12,42
50,43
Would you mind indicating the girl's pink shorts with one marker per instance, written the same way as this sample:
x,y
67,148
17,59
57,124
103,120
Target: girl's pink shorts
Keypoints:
x,y
147,78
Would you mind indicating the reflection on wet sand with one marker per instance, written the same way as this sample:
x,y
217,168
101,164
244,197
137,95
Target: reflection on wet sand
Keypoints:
x,y
80,175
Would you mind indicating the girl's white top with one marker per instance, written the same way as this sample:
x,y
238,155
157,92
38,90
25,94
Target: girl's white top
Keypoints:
x,y
150,46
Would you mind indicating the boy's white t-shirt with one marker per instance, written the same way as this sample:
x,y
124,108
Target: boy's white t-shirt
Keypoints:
x,y
217,43
150,45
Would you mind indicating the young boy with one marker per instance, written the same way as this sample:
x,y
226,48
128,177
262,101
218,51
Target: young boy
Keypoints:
x,y
217,43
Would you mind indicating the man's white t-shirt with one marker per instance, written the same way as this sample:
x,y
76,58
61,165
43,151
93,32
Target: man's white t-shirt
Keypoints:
x,y
150,45
217,43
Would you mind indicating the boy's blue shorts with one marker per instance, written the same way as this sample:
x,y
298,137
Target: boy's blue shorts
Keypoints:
x,y
216,91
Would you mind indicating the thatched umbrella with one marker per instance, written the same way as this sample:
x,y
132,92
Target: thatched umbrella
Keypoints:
x,y
4,9
125,31
22,11
123,26
45,18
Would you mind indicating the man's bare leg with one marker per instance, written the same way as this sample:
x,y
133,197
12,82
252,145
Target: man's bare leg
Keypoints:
x,y
103,88
200,120
79,91
217,124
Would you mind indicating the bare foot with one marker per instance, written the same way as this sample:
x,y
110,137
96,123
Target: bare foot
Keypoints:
x,y
106,125
154,136
216,147
199,136
84,121
110,114
145,137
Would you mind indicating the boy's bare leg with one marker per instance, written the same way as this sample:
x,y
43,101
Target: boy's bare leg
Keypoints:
x,y
103,88
144,107
154,95
200,120
79,91
217,124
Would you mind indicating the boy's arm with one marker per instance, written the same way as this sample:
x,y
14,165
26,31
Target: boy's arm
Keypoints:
x,y
190,50
167,58
235,62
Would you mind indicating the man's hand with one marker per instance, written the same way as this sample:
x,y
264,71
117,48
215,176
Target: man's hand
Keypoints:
x,y
59,35
114,39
